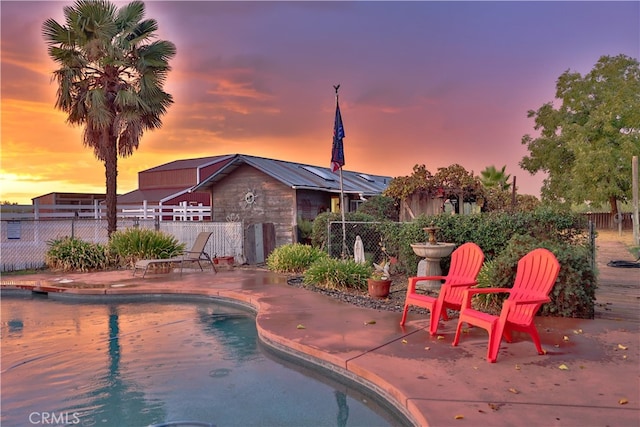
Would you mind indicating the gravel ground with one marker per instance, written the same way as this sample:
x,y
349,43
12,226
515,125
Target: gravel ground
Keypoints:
x,y
394,302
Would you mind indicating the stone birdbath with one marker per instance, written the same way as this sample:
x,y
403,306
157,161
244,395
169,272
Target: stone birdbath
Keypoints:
x,y
432,251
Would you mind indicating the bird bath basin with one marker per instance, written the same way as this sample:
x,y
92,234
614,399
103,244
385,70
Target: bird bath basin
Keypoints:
x,y
432,252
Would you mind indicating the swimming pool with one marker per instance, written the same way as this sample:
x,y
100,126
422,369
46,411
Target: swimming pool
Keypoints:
x,y
159,361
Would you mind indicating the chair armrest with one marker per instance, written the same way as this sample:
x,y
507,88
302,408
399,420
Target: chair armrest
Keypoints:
x,y
542,300
411,288
453,285
468,293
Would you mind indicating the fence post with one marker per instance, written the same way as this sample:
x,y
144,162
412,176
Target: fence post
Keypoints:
x,y
592,243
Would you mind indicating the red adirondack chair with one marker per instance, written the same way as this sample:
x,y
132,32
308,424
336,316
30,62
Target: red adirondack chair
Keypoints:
x,y
535,276
466,262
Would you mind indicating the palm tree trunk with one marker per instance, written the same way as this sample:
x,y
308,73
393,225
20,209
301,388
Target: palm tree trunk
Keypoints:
x,y
111,173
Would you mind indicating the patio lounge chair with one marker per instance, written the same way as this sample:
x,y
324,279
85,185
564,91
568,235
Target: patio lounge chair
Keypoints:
x,y
466,262
535,276
194,255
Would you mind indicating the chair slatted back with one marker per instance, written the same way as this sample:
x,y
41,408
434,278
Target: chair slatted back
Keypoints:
x,y
535,277
466,262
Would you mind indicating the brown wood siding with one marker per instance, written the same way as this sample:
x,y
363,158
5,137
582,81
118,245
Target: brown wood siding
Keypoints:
x,y
418,204
167,179
273,201
311,203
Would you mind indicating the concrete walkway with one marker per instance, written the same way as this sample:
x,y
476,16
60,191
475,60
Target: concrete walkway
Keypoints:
x,y
590,375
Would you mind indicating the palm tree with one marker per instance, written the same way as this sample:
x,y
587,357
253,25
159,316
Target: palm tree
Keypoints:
x,y
491,177
110,79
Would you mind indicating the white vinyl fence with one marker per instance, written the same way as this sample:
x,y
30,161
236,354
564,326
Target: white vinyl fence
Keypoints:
x,y
24,242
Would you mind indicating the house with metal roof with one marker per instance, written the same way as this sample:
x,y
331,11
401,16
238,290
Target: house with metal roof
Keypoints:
x,y
258,190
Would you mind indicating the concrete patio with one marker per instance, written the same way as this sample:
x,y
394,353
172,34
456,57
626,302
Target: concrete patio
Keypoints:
x,y
590,375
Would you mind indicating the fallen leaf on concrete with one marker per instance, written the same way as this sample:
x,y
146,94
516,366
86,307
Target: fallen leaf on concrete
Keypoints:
x,y
563,367
514,391
404,341
459,417
440,337
427,348
517,367
623,401
494,407
565,338
300,327
370,322
577,331
622,347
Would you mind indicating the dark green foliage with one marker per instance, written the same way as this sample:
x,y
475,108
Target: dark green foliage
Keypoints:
x,y
331,273
305,228
71,254
574,292
294,258
133,244
381,208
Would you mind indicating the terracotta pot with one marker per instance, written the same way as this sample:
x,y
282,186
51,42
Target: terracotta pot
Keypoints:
x,y
378,288
223,260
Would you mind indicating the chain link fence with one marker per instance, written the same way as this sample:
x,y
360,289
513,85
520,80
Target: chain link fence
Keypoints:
x,y
24,243
369,232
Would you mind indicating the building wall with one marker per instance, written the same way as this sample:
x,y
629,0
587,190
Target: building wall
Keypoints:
x,y
310,203
167,178
253,197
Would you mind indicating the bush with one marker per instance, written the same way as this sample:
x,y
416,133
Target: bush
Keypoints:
x,y
71,254
294,258
574,292
381,208
133,244
331,273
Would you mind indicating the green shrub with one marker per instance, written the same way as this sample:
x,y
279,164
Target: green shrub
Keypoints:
x,y
294,258
574,292
133,244
490,231
71,254
305,228
331,273
381,208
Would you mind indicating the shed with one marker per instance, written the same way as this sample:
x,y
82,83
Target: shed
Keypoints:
x,y
258,190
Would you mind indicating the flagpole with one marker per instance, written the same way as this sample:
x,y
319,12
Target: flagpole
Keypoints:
x,y
344,229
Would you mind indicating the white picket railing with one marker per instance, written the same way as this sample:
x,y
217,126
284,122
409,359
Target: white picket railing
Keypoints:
x,y
181,212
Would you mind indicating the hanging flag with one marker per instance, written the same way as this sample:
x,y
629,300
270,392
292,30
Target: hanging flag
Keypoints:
x,y
337,152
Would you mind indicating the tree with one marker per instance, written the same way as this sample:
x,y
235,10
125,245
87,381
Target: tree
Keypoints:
x,y
493,178
110,79
586,144
456,181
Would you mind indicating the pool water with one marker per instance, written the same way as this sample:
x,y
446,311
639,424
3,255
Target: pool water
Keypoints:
x,y
154,362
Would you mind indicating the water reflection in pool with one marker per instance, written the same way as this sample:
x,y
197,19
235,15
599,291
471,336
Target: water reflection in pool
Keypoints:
x,y
138,363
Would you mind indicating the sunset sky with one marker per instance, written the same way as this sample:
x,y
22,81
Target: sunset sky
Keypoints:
x,y
432,83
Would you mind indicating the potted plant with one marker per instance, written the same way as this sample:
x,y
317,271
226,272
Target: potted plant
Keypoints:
x,y
379,283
